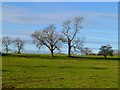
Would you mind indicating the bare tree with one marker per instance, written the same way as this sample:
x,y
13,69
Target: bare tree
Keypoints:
x,y
47,37
6,43
19,44
70,30
87,51
78,45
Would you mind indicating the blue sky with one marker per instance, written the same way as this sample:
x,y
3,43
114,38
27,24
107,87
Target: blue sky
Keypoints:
x,y
100,24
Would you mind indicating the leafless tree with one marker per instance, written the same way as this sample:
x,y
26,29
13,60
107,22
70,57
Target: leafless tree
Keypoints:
x,y
70,30
19,43
47,37
6,43
78,45
87,51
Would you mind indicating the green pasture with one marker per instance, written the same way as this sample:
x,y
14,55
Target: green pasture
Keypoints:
x,y
43,71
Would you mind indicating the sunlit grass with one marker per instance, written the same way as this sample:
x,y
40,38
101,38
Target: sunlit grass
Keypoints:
x,y
43,71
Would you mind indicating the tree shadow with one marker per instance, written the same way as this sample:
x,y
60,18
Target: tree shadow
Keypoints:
x,y
8,87
6,70
67,67
30,66
4,54
62,57
98,68
97,58
41,66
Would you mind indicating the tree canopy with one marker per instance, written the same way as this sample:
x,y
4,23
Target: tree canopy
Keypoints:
x,y
47,37
106,50
6,42
70,31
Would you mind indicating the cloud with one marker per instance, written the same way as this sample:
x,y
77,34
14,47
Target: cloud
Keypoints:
x,y
102,42
18,33
13,14
20,15
22,35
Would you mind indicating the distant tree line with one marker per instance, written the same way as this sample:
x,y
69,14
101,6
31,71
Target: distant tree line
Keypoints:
x,y
53,40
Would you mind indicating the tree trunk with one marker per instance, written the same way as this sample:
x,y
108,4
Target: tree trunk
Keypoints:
x,y
19,51
105,56
52,53
6,49
69,50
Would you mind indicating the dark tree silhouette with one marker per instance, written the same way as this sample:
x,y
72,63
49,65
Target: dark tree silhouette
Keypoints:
x,y
106,50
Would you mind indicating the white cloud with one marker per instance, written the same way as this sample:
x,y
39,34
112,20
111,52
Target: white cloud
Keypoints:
x,y
20,33
18,15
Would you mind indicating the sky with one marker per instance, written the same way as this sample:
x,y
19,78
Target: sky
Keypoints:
x,y
100,26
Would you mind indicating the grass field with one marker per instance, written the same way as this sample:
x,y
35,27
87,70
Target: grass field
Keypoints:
x,y
42,71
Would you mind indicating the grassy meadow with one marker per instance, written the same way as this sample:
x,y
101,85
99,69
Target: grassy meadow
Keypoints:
x,y
42,71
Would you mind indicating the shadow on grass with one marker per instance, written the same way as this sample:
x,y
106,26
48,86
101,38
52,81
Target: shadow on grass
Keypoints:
x,y
8,87
62,57
97,68
22,66
6,71
97,58
4,54
83,67
41,66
